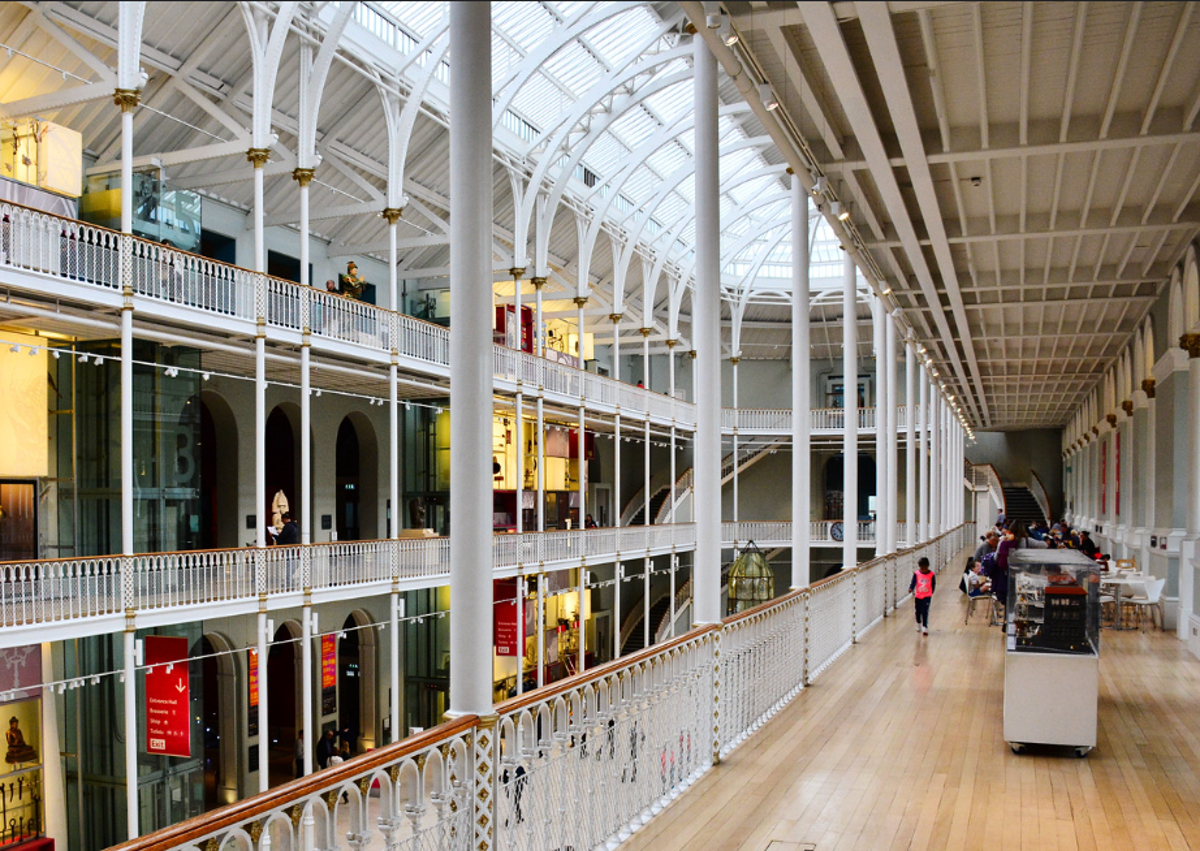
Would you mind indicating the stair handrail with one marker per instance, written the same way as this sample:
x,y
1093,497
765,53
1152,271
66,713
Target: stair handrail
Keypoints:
x,y
996,487
683,487
636,614
1041,495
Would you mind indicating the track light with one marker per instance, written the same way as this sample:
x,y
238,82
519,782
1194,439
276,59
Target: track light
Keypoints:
x,y
767,96
83,358
206,375
725,31
318,393
713,21
844,215
820,184
55,353
14,348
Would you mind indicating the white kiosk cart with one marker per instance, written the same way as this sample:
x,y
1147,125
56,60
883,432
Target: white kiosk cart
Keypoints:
x,y
1052,643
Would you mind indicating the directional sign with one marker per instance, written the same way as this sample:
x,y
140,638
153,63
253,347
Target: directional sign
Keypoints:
x,y
168,730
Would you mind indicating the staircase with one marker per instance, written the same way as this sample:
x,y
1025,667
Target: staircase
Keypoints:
x,y
656,501
635,641
1020,504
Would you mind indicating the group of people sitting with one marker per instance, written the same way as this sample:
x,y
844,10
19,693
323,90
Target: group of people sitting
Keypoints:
x,y
987,569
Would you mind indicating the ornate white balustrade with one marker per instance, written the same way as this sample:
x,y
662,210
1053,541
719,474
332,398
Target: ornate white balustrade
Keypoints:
x,y
97,590
93,591
85,262
584,762
824,421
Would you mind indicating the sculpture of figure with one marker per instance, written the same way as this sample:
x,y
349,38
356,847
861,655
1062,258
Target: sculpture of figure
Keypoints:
x,y
18,751
352,283
416,513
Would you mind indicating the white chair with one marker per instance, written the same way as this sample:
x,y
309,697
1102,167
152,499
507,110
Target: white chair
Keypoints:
x,y
1146,596
984,598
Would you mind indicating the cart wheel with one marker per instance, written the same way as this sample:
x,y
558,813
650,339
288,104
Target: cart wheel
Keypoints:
x,y
1017,747
1081,752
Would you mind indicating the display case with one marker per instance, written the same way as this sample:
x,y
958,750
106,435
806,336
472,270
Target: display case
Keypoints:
x,y
1052,641
1053,602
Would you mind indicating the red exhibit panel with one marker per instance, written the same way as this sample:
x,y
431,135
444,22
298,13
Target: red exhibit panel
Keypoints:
x,y
168,731
504,616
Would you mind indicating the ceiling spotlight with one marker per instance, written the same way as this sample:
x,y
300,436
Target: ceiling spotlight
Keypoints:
x,y
55,353
767,96
206,375
725,31
437,411
34,351
14,348
888,291
714,20
820,183
843,215
318,393
83,358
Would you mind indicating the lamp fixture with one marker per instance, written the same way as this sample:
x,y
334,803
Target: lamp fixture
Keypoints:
x,y
727,34
767,96
83,358
14,348
820,183
844,214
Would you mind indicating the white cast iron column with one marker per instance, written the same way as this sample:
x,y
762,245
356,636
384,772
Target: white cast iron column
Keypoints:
x,y
470,358
801,391
850,409
706,341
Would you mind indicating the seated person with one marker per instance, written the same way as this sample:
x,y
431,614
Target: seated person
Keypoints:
x,y
977,583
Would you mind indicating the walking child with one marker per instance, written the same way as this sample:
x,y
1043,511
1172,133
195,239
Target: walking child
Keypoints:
x,y
922,587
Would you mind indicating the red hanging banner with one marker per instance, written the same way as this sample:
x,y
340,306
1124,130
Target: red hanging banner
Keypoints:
x,y
168,728
328,661
504,616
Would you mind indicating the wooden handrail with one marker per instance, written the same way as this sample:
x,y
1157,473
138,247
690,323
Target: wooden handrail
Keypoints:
x,y
194,828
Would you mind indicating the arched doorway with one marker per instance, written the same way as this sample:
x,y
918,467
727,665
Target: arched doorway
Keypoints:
x,y
348,499
218,473
356,682
282,707
213,694
281,460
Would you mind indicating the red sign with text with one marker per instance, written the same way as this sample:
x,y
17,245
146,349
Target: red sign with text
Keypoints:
x,y
253,666
328,661
504,616
168,731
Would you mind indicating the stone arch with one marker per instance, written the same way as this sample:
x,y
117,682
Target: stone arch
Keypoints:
x,y
223,671
1148,342
219,471
365,476
1191,291
1175,316
284,682
367,677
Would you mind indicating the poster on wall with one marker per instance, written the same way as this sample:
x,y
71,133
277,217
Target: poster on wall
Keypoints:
x,y
328,674
168,732
252,678
504,616
21,671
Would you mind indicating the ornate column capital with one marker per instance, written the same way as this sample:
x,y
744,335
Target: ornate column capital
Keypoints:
x,y
516,272
646,332
615,317
734,360
303,176
1190,343
692,354
127,99
672,344
1127,407
258,156
1148,387
392,214
1112,420
537,282
580,301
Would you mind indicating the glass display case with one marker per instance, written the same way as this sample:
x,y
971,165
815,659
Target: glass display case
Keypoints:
x,y
1052,639
1053,602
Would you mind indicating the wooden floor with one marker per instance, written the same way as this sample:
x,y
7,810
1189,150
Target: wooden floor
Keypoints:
x,y
900,745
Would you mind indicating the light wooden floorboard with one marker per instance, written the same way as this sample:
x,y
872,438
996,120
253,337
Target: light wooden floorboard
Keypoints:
x,y
899,744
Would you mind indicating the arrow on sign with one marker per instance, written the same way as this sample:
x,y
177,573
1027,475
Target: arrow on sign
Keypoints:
x,y
181,687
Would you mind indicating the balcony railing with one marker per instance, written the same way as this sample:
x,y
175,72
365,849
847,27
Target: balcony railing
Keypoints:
x,y
584,762
63,590
90,257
